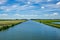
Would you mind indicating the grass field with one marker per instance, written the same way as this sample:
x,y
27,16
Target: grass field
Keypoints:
x,y
5,24
49,22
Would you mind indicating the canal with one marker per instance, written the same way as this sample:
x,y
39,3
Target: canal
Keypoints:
x,y
31,30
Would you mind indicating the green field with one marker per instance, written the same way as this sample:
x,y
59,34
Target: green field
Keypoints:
x,y
49,22
5,24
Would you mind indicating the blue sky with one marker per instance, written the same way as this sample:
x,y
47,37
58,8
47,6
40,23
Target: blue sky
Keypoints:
x,y
29,9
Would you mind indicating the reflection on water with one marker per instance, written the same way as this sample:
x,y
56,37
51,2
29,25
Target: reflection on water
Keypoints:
x,y
56,22
31,31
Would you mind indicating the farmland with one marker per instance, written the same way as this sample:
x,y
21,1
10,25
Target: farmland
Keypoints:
x,y
5,24
49,22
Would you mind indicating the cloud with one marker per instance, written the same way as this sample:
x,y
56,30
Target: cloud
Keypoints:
x,y
30,0
26,16
38,1
39,7
28,6
34,1
49,0
42,7
3,15
18,0
16,14
3,1
9,8
51,6
58,3
53,14
16,7
28,3
46,14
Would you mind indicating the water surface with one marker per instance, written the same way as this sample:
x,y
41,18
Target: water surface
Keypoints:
x,y
31,30
56,22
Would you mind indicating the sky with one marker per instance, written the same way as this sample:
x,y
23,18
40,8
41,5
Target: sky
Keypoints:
x,y
29,9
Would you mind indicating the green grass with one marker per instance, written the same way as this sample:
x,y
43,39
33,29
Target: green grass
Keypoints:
x,y
5,24
49,22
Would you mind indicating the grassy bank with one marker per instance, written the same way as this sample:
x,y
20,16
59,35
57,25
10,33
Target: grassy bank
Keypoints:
x,y
5,24
49,22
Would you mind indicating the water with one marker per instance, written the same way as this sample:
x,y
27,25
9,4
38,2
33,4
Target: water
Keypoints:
x,y
31,30
56,22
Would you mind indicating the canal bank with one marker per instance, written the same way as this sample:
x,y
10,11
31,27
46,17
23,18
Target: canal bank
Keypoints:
x,y
31,30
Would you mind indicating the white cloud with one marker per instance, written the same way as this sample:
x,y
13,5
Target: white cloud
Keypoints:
x,y
36,1
18,0
26,16
2,7
16,7
28,3
55,14
46,14
42,7
4,15
5,8
16,14
49,0
52,16
3,1
51,6
58,3
9,8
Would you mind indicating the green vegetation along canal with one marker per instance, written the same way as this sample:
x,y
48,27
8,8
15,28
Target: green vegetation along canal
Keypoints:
x,y
31,30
